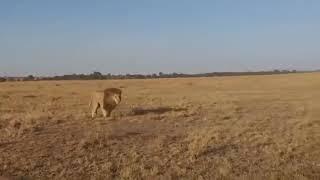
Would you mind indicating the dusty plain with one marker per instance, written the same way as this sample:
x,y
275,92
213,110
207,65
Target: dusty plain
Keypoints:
x,y
246,127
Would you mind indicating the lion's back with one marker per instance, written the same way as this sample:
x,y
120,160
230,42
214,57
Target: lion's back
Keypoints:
x,y
98,96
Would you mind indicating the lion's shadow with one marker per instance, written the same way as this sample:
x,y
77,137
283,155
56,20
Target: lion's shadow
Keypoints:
x,y
157,110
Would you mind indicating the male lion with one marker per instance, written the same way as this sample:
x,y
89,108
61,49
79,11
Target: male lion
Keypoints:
x,y
107,100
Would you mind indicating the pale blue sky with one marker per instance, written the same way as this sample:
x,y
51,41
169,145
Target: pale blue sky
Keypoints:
x,y
43,37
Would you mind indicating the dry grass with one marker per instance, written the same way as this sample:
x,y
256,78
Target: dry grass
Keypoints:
x,y
257,127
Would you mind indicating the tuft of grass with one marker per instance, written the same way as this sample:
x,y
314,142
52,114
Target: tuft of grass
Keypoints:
x,y
95,139
131,172
200,141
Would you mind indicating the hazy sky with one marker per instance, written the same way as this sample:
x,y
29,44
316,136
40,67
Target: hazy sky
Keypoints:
x,y
43,37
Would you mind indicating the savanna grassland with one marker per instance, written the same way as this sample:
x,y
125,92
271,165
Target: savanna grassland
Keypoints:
x,y
248,127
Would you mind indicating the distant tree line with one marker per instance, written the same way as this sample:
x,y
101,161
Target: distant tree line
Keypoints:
x,y
100,76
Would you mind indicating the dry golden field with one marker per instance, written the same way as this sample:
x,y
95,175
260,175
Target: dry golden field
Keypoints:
x,y
249,127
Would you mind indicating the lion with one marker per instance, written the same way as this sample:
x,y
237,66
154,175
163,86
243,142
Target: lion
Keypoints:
x,y
107,100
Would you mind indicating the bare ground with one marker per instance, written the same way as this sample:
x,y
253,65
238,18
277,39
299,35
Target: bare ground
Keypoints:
x,y
257,127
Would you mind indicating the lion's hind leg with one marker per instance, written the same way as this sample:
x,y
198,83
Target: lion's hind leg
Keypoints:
x,y
95,107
